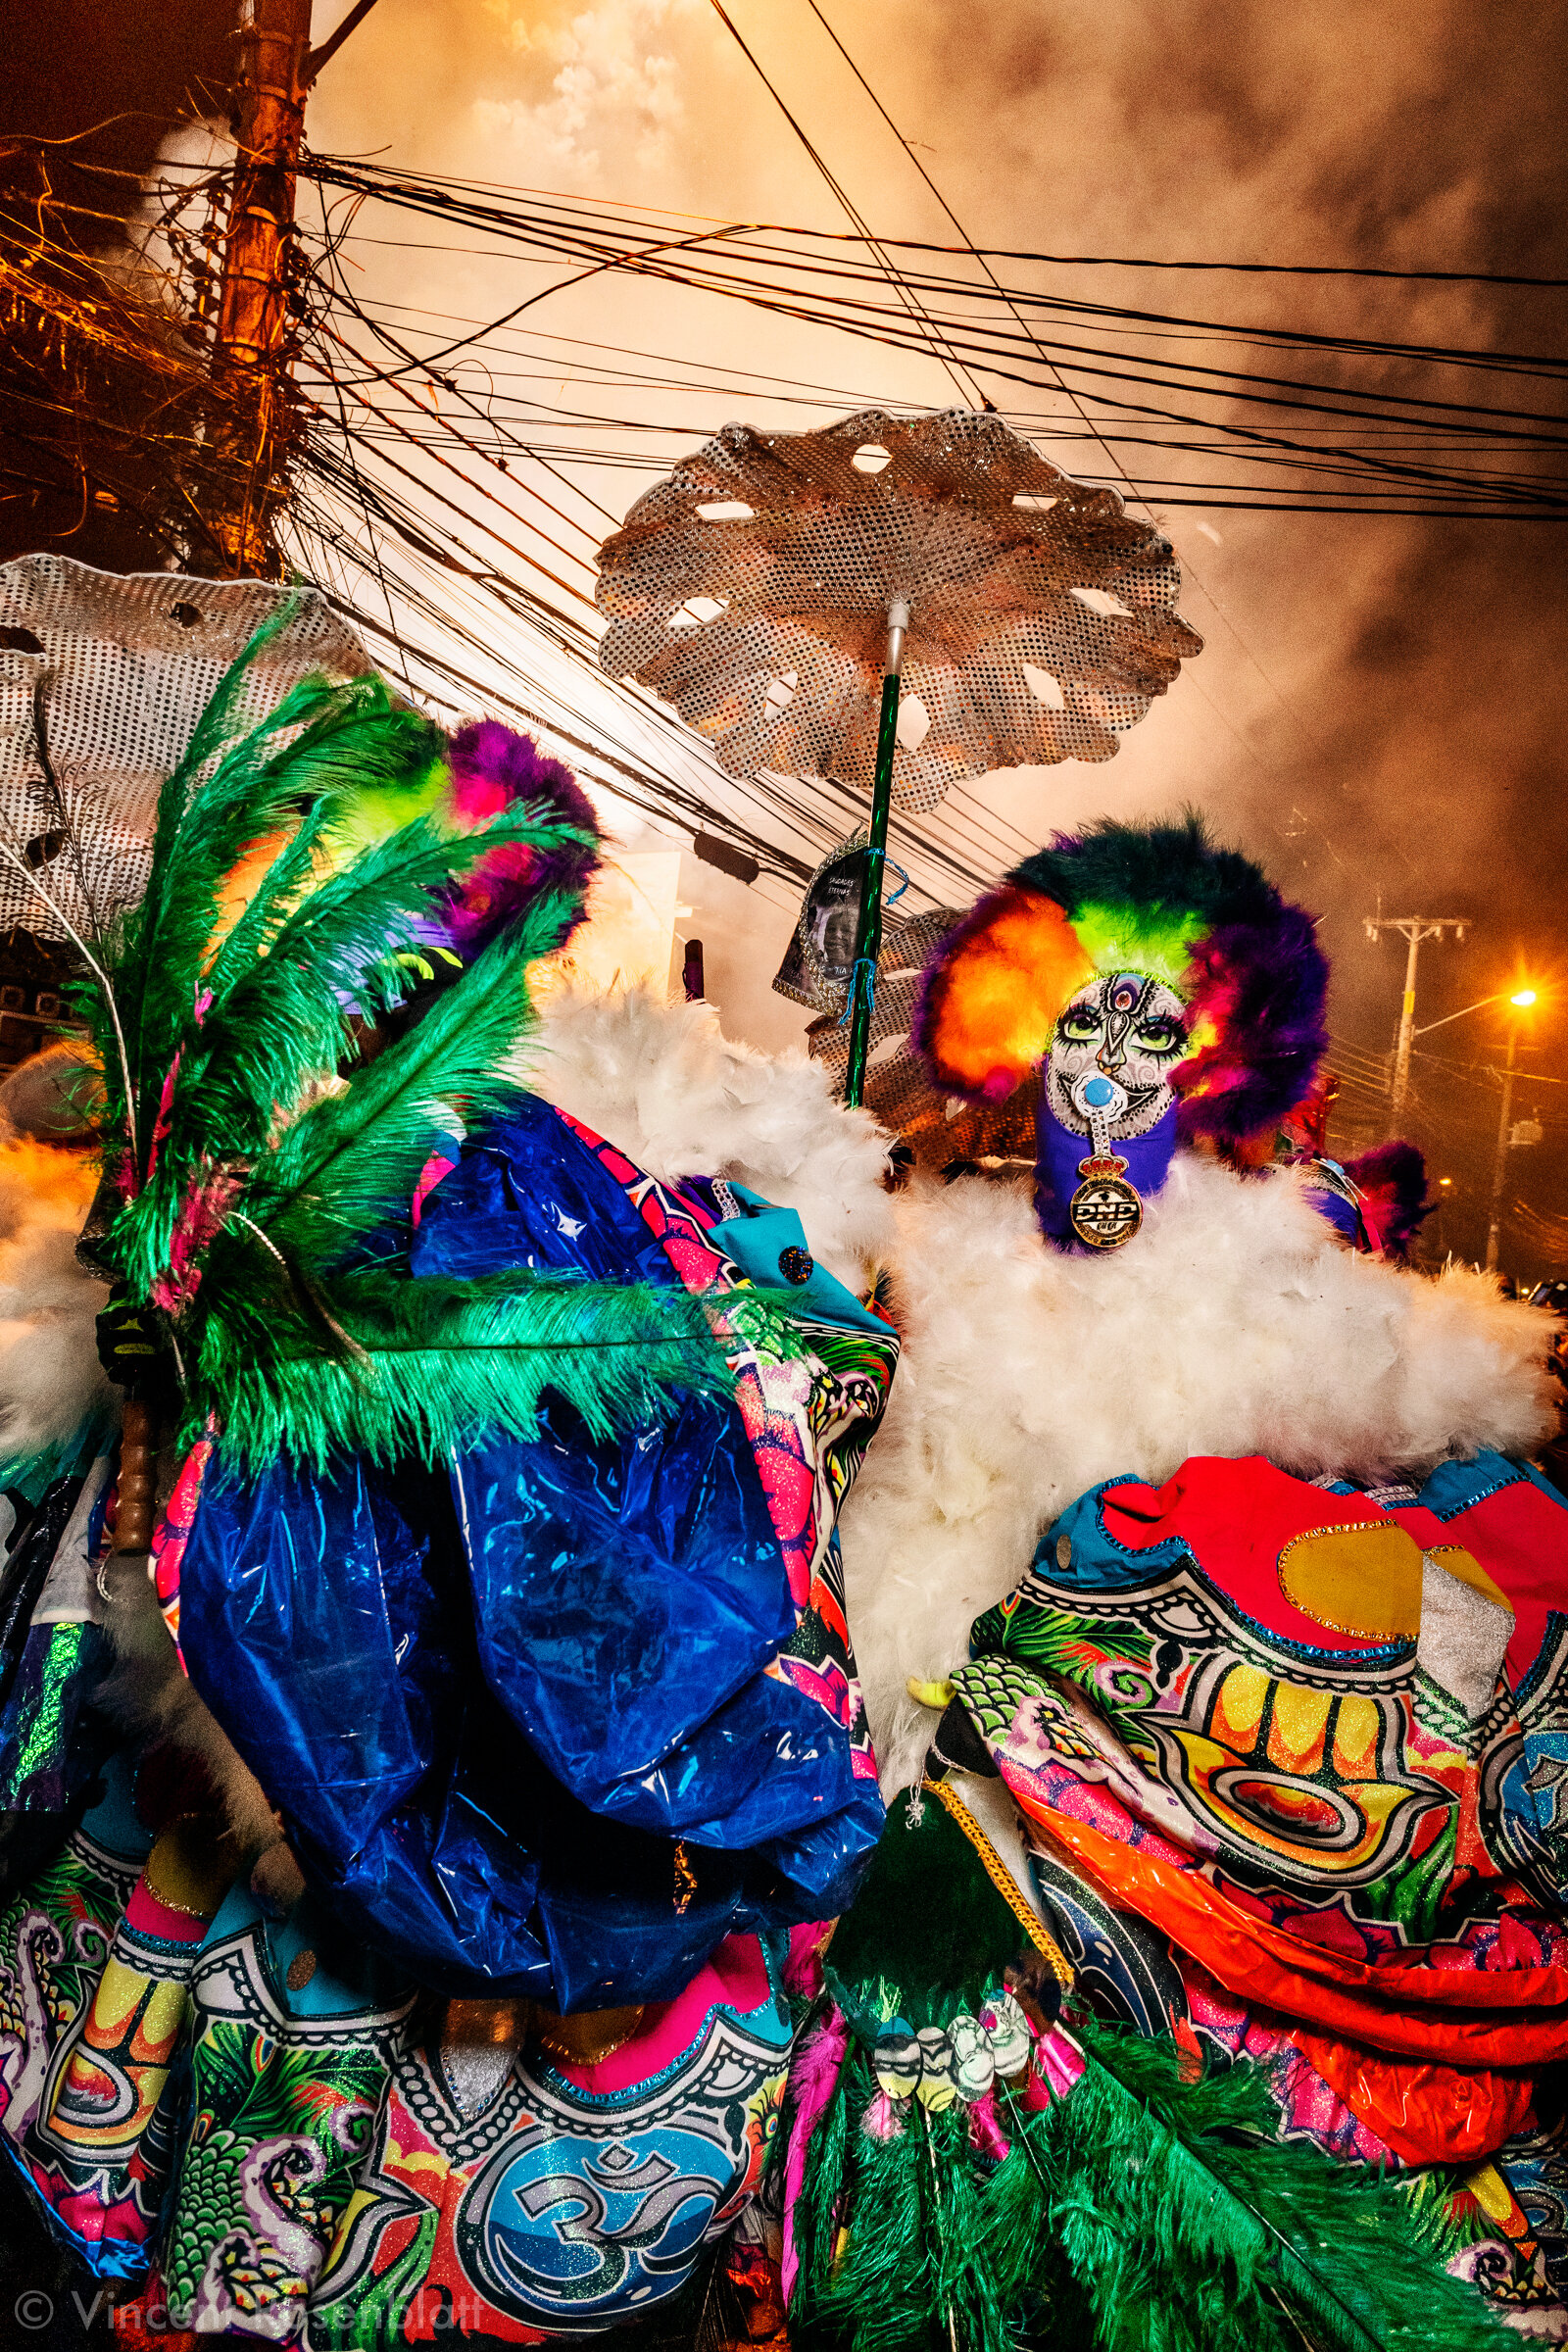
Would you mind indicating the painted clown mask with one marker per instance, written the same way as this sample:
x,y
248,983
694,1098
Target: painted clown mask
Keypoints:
x,y
1129,1030
1162,988
1108,1109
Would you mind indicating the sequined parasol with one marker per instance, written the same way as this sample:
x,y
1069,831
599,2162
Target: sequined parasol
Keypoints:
x,y
751,589
102,679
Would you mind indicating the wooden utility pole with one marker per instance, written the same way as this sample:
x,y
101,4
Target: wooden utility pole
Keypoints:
x,y
1499,1164
254,421
1414,928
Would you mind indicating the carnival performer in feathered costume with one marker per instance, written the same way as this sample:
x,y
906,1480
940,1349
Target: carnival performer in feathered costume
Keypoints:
x,y
516,2051
484,1487
1207,1540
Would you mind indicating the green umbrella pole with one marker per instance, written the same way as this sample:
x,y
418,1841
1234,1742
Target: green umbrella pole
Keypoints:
x,y
869,932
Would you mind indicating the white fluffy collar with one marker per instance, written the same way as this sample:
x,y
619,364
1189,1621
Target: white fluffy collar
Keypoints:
x,y
1233,1323
662,1082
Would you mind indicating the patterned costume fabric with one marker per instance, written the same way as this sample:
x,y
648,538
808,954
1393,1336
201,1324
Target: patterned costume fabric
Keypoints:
x,y
268,2120
1291,1757
534,2204
304,2158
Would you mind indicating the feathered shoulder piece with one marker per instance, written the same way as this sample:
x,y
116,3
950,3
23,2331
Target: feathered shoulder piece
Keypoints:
x,y
312,880
1392,1181
1159,899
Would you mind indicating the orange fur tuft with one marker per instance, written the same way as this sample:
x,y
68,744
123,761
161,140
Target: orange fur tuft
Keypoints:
x,y
990,1007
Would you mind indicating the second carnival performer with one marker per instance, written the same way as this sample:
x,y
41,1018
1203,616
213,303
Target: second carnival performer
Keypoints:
x,y
1212,1616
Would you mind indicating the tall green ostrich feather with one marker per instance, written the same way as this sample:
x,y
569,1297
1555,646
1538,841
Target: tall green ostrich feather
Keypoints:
x,y
254,1159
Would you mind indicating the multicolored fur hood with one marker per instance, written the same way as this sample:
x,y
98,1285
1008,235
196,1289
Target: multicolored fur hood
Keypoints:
x,y
1160,899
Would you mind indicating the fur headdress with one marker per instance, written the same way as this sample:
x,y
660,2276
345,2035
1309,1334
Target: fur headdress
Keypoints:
x,y
1158,899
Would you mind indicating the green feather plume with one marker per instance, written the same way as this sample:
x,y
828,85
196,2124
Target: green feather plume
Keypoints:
x,y
256,1159
423,1365
347,736
282,1021
1137,2214
1190,2228
353,1159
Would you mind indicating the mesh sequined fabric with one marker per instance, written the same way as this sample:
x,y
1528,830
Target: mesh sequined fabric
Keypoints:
x,y
938,1128
751,590
127,666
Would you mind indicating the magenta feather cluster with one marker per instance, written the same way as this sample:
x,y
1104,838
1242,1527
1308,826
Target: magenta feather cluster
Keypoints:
x,y
1392,1179
495,768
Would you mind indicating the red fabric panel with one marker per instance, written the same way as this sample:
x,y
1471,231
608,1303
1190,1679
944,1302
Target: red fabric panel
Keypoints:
x,y
1236,1518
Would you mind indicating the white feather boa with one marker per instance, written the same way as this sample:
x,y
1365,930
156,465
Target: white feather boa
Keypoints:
x,y
1233,1323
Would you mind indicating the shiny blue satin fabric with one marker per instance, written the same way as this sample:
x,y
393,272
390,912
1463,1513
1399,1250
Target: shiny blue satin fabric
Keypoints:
x,y
489,1707
625,1611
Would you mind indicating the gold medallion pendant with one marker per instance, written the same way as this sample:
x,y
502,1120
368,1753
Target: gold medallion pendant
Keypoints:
x,y
1105,1211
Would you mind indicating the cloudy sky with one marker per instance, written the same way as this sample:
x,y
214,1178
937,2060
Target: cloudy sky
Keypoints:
x,y
1377,706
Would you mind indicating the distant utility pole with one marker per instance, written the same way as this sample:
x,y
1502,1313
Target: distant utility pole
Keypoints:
x,y
1499,1164
1509,1137
274,69
1415,928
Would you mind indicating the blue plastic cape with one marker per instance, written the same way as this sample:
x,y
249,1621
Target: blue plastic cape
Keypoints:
x,y
490,1707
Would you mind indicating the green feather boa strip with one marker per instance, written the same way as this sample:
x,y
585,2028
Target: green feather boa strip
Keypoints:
x,y
1138,2213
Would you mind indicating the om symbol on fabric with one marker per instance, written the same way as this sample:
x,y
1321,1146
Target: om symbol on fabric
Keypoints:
x,y
569,2227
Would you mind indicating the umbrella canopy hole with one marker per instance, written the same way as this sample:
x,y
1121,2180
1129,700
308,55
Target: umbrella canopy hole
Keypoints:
x,y
870,458
725,510
914,723
1044,687
1101,600
780,693
1033,503
698,608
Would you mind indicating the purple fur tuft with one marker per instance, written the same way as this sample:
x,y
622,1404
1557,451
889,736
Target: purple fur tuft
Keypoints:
x,y
493,767
1393,1179
1262,987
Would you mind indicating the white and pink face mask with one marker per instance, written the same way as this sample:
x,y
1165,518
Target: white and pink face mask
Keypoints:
x,y
1107,1110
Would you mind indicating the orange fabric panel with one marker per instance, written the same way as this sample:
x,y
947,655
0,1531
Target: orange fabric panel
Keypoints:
x,y
1426,2112
1464,2018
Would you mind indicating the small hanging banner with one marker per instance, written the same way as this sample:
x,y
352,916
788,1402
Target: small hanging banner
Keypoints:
x,y
821,955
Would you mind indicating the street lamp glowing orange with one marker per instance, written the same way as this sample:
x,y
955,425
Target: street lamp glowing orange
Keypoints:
x,y
1522,997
